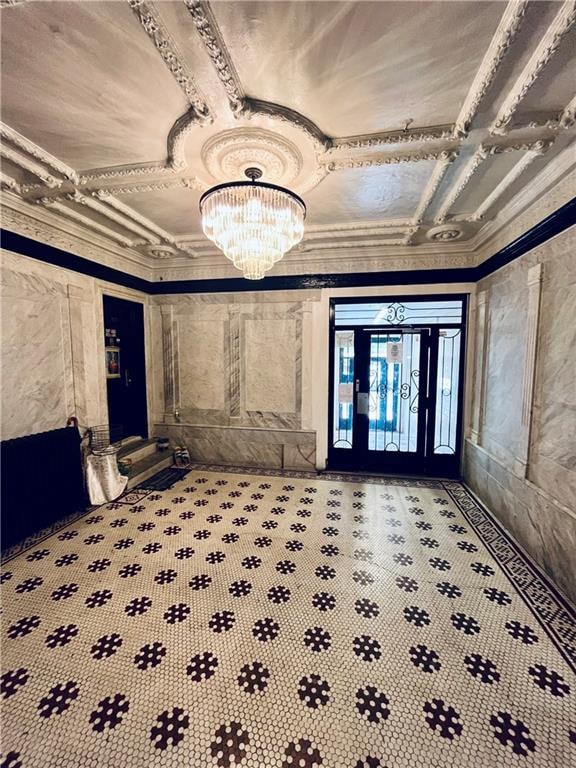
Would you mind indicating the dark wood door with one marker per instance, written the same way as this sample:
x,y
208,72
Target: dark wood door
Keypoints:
x,y
125,367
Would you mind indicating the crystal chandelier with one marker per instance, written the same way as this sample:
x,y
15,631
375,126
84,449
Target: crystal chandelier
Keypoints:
x,y
252,222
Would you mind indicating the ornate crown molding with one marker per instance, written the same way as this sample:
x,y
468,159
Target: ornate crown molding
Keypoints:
x,y
443,162
542,54
368,161
69,212
7,182
568,116
533,152
30,165
154,27
34,151
136,221
289,116
209,32
405,136
501,42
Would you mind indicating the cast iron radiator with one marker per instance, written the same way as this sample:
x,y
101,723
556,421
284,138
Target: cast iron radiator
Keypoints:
x,y
41,482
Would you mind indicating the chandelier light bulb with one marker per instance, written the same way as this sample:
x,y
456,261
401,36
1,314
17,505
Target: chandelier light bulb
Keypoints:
x,y
253,223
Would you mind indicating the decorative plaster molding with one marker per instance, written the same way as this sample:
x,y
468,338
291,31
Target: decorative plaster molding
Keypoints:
x,y
444,234
542,54
151,22
483,152
540,147
94,175
28,164
7,182
45,225
406,136
227,155
568,116
146,224
154,186
289,116
368,161
210,35
72,213
442,164
32,149
509,25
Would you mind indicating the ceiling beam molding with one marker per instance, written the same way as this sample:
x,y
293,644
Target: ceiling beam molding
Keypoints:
x,y
103,206
211,37
444,162
31,165
544,51
7,182
539,149
145,225
500,44
405,136
119,172
150,186
36,152
568,116
89,223
483,152
154,27
367,161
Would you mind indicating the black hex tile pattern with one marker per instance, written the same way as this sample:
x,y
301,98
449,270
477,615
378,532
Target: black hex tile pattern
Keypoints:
x,y
284,621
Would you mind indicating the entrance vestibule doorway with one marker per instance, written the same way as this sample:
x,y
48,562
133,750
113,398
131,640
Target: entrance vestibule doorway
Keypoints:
x,y
125,368
397,374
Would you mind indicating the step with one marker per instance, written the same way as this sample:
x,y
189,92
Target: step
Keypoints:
x,y
137,450
148,466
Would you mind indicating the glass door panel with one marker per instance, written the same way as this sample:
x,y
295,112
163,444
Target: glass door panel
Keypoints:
x,y
394,391
447,390
343,415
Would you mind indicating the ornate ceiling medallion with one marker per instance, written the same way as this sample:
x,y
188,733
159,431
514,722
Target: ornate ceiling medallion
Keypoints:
x,y
444,234
229,154
252,222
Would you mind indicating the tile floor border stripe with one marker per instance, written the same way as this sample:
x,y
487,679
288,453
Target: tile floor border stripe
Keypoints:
x,y
550,607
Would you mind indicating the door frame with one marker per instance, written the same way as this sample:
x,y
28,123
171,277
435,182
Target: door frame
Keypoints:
x,y
440,465
104,289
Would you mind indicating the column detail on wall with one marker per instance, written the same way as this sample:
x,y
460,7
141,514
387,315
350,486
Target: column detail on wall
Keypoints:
x,y
481,356
234,362
76,296
170,349
534,282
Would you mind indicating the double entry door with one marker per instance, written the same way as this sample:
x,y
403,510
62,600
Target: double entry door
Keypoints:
x,y
396,400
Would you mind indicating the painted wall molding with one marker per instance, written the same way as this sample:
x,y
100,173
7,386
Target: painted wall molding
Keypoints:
x,y
534,286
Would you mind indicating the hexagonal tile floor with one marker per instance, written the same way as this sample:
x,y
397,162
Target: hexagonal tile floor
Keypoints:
x,y
266,620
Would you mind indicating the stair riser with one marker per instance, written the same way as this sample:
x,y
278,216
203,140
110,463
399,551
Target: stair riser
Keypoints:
x,y
139,453
158,467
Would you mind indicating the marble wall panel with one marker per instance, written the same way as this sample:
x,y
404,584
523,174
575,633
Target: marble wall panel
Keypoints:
x,y
36,394
534,496
201,345
269,357
289,449
52,327
542,526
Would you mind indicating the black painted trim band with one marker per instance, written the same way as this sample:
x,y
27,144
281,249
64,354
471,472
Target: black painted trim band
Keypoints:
x,y
552,225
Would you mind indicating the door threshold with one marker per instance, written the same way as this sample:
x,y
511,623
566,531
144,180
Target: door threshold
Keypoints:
x,y
399,475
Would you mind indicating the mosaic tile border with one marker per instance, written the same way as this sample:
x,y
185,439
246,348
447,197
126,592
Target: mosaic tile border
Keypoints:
x,y
550,607
348,477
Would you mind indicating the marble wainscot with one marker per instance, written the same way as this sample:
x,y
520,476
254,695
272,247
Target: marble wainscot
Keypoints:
x,y
234,386
520,456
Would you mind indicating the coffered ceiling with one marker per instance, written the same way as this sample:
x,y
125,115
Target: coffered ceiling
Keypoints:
x,y
408,127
